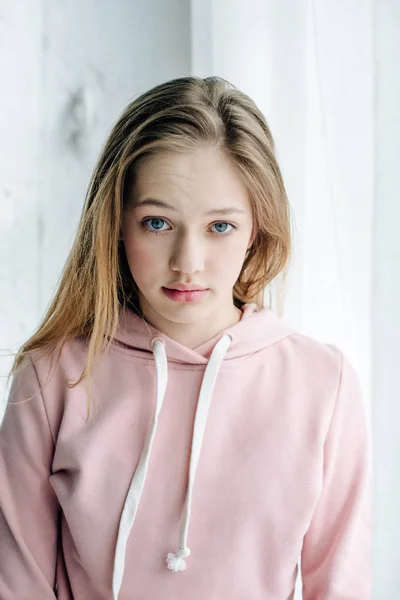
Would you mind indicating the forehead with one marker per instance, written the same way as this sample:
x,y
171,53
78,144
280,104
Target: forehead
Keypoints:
x,y
205,177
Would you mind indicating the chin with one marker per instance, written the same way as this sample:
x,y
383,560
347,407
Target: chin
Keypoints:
x,y
181,315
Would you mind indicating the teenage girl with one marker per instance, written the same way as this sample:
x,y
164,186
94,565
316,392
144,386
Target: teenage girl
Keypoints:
x,y
167,436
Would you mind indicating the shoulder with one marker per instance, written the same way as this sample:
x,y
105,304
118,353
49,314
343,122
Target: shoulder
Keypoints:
x,y
328,370
319,357
54,366
323,368
57,359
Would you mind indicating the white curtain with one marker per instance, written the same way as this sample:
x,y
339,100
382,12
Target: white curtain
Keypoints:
x,y
326,74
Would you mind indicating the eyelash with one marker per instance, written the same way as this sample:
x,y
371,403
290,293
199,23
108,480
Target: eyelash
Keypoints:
x,y
144,221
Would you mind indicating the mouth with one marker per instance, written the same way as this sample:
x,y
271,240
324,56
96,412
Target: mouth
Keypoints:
x,y
185,295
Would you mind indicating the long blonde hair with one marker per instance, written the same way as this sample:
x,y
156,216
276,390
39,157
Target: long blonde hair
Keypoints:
x,y
175,116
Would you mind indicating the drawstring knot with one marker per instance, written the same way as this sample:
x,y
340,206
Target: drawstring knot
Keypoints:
x,y
176,562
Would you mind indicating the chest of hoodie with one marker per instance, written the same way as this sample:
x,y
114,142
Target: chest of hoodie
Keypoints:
x,y
257,479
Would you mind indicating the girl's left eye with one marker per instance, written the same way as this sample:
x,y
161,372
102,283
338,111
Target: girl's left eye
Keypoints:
x,y
157,229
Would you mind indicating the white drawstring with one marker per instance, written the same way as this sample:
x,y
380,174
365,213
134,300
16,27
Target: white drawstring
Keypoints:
x,y
138,479
175,561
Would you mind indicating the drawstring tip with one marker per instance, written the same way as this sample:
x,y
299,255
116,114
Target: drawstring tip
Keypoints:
x,y
176,561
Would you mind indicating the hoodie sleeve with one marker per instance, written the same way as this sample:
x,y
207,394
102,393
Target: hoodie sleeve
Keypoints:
x,y
336,561
28,504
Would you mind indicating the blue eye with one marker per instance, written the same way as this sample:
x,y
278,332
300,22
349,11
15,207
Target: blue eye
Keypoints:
x,y
157,225
222,223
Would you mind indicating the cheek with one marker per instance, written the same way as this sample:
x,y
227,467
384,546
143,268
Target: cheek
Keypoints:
x,y
143,257
227,263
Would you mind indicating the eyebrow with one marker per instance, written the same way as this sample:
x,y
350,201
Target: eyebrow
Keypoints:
x,y
215,211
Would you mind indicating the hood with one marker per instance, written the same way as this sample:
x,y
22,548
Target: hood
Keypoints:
x,y
256,330
264,328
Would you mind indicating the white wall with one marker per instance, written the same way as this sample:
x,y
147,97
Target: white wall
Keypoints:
x,y
67,71
21,117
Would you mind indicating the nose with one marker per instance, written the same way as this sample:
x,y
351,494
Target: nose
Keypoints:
x,y
188,254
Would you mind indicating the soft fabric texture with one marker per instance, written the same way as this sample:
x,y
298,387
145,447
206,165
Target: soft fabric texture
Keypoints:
x,y
202,473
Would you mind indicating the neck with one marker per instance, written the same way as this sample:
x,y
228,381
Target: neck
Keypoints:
x,y
195,334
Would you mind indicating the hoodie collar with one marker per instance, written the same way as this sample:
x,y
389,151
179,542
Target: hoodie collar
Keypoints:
x,y
249,335
257,329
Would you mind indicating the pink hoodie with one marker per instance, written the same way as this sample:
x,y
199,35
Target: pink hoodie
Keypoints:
x,y
203,474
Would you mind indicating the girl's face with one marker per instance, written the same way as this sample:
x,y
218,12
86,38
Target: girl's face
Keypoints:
x,y
183,239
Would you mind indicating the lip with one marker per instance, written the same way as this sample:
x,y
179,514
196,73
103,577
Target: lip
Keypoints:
x,y
186,288
185,296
